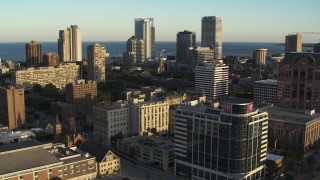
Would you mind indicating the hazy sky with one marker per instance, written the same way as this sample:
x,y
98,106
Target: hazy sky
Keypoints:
x,y
113,20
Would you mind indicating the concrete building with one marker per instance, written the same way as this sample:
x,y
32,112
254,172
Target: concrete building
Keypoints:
x,y
211,34
145,30
33,54
107,161
32,160
96,62
12,108
299,81
265,91
8,136
294,129
82,94
110,120
149,115
58,76
135,51
63,110
228,143
293,43
70,44
212,79
185,41
149,149
259,58
50,59
199,55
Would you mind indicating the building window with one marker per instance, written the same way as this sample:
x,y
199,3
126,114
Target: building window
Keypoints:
x,y
20,177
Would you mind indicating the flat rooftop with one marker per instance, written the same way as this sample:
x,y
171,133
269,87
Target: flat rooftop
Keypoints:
x,y
21,145
26,159
291,116
150,142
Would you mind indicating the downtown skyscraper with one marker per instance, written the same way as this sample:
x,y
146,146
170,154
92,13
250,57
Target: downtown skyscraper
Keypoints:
x,y
211,34
70,44
185,41
145,30
33,54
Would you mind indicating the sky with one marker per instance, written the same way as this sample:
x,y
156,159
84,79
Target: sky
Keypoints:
x,y
113,20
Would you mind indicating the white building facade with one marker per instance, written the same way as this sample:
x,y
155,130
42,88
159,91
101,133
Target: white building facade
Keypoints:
x,y
145,30
70,44
211,34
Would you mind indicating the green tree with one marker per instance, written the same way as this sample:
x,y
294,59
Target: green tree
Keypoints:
x,y
37,88
50,91
311,160
30,118
289,177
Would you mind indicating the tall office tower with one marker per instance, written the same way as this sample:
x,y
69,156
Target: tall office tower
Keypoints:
x,y
135,51
145,30
259,58
12,109
83,95
70,44
228,143
50,59
185,41
199,55
212,79
299,81
33,54
316,48
211,34
293,43
96,62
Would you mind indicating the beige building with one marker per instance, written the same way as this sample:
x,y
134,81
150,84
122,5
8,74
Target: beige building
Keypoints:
x,y
82,94
33,54
107,161
109,120
50,59
70,44
293,43
260,57
148,115
58,76
135,51
97,62
12,108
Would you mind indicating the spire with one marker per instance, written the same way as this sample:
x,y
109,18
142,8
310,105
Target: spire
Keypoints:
x,y
57,120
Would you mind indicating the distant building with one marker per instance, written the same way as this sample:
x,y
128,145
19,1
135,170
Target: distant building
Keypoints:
x,y
110,120
293,43
259,58
70,44
50,59
265,91
299,81
135,51
107,161
82,94
151,150
211,34
295,129
212,79
145,30
63,110
199,55
8,136
58,76
12,108
316,48
96,62
185,41
33,54
228,143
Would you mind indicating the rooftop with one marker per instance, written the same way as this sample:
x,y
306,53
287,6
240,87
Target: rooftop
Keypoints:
x,y
273,157
21,145
268,81
97,151
150,142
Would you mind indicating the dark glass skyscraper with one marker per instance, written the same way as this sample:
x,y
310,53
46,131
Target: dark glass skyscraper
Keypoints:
x,y
219,144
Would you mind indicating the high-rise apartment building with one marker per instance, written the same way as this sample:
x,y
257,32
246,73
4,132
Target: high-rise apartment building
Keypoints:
x,y
145,30
293,43
259,58
185,41
96,62
199,55
70,44
212,79
12,108
211,34
228,143
299,81
83,95
135,51
50,59
58,76
33,54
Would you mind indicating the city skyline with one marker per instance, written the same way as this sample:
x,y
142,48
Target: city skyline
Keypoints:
x,y
245,21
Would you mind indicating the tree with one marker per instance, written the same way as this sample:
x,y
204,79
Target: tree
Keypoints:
x,y
37,88
289,177
50,91
30,118
311,160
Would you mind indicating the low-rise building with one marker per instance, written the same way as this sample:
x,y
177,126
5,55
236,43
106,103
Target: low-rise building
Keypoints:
x,y
8,136
107,161
265,91
152,150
